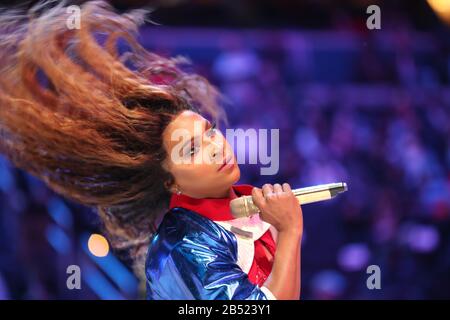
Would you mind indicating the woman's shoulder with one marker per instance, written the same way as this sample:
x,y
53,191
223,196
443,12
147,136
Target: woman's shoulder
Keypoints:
x,y
180,227
179,223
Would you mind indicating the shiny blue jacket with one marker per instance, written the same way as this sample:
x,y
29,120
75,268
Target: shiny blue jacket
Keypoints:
x,y
191,257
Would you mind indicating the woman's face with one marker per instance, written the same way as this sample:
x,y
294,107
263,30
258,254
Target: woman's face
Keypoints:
x,y
196,153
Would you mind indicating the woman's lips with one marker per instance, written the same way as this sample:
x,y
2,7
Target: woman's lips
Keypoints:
x,y
226,162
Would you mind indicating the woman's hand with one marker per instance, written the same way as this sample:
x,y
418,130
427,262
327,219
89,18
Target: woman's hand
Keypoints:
x,y
279,207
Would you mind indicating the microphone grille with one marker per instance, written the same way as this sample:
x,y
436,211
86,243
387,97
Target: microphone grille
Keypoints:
x,y
237,207
243,207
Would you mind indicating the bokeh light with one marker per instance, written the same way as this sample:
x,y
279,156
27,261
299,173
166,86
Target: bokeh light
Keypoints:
x,y
98,245
442,8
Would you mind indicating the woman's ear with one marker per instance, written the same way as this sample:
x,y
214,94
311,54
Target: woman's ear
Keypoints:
x,y
170,185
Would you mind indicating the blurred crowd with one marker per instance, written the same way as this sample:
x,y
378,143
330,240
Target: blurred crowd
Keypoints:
x,y
368,109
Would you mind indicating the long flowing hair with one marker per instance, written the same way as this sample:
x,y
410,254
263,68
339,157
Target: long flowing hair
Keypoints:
x,y
87,120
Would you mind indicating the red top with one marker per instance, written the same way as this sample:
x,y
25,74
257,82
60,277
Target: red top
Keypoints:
x,y
218,209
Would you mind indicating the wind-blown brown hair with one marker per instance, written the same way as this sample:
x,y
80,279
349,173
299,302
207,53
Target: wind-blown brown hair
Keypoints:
x,y
74,115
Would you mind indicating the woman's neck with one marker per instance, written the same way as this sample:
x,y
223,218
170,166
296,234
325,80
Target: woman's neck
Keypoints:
x,y
229,193
233,194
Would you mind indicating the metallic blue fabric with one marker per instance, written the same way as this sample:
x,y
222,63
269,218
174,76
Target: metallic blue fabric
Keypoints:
x,y
191,257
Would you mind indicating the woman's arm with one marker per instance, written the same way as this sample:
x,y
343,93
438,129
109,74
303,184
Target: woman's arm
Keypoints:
x,y
284,280
279,207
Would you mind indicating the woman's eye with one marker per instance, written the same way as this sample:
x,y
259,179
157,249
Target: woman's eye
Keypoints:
x,y
193,150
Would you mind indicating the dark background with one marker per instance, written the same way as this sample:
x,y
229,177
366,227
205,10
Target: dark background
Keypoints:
x,y
368,107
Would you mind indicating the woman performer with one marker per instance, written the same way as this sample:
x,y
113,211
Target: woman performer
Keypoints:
x,y
103,129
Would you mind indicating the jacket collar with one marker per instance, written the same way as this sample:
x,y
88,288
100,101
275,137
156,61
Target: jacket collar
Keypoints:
x,y
216,209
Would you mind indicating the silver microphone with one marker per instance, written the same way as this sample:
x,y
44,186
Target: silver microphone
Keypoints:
x,y
244,206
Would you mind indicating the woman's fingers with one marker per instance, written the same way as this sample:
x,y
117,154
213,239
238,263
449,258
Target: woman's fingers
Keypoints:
x,y
279,207
277,188
258,198
287,187
267,190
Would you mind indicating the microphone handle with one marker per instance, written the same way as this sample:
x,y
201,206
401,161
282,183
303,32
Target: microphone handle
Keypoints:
x,y
305,195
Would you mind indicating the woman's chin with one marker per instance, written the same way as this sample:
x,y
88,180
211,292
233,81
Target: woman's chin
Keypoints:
x,y
236,174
